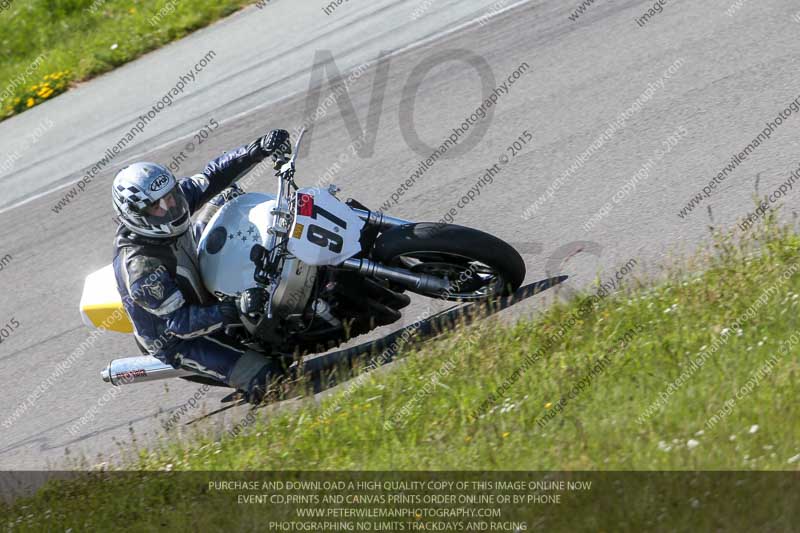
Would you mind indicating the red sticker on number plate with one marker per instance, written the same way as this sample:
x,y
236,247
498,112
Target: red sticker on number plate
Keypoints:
x,y
305,205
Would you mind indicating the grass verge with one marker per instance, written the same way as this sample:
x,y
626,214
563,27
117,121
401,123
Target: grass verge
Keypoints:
x,y
696,373
48,45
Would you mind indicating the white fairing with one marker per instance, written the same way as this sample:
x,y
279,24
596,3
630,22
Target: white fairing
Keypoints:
x,y
224,248
328,234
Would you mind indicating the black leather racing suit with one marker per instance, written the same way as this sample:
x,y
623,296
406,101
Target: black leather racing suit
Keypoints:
x,y
175,319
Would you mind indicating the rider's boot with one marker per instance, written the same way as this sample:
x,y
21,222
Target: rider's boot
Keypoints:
x,y
256,375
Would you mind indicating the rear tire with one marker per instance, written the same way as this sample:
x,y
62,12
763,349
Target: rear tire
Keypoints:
x,y
447,249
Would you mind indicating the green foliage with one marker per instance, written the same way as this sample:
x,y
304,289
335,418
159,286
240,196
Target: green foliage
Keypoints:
x,y
88,37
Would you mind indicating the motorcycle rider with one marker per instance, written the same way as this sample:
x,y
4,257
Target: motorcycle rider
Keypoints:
x,y
156,266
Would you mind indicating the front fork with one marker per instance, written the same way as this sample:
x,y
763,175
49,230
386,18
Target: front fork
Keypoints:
x,y
383,222
366,267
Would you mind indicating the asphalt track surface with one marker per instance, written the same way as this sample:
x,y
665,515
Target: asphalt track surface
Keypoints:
x,y
736,73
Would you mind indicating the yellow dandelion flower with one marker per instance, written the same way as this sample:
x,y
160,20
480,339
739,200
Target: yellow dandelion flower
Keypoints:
x,y
506,434
548,405
47,94
132,10
30,102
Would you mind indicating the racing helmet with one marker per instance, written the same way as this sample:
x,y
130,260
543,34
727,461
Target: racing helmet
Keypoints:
x,y
149,201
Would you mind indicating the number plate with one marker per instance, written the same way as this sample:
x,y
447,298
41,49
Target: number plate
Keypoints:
x,y
325,231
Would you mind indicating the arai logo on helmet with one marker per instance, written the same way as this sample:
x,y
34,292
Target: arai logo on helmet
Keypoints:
x,y
159,183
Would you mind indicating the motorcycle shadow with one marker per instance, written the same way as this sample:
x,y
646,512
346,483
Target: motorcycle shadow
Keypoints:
x,y
328,370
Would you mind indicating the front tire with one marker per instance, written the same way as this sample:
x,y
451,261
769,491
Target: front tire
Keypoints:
x,y
478,265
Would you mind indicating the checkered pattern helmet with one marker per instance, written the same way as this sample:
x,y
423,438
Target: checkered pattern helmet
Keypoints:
x,y
138,188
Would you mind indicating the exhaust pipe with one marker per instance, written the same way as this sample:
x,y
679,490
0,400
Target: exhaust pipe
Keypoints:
x,y
138,370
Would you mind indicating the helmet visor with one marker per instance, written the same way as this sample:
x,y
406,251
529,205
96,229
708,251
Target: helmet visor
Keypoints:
x,y
172,209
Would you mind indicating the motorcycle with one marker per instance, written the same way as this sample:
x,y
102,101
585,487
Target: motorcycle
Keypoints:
x,y
333,270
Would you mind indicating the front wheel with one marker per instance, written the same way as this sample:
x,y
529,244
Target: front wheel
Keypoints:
x,y
478,265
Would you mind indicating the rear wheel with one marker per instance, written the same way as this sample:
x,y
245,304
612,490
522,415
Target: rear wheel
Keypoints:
x,y
478,265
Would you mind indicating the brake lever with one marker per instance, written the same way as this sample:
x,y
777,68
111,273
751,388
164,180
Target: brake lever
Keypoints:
x,y
278,163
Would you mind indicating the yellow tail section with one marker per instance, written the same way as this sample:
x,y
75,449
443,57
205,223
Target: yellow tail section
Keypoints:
x,y
101,305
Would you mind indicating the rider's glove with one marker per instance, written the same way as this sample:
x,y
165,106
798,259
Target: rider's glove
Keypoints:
x,y
252,303
275,144
230,312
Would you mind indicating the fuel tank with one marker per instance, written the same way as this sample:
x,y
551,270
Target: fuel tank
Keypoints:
x,y
224,254
224,247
